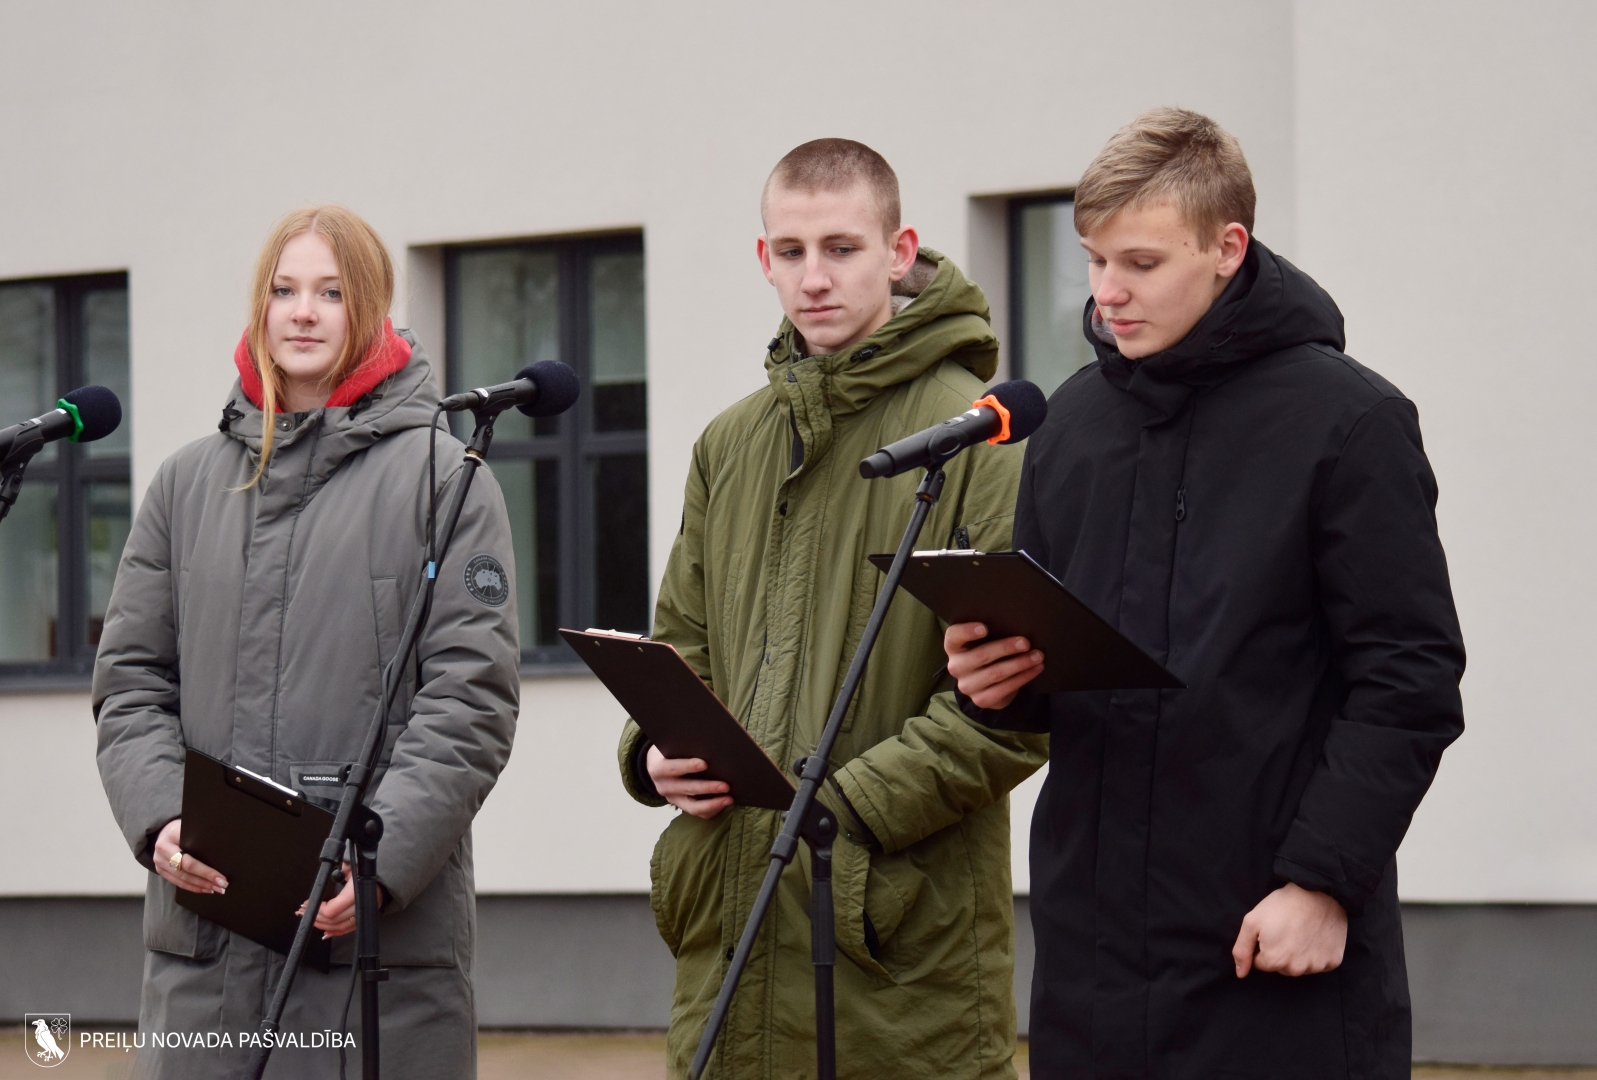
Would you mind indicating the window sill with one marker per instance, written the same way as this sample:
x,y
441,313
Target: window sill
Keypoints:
x,y
71,683
556,671
66,682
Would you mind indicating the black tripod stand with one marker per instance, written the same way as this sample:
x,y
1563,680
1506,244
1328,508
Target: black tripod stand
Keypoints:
x,y
357,823
808,819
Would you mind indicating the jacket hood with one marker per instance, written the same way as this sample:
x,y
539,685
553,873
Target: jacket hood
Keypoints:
x,y
1269,306
402,399
940,314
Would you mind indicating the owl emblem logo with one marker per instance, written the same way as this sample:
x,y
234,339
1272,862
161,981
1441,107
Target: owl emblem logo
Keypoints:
x,y
47,1039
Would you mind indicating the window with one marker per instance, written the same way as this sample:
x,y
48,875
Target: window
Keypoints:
x,y
1048,291
60,544
576,485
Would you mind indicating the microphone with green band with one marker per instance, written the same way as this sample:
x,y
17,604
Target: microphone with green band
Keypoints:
x,y
86,414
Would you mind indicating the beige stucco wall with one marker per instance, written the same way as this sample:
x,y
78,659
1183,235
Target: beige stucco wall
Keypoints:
x,y
1425,162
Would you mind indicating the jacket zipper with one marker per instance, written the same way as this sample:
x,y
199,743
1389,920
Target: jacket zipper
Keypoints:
x,y
1181,503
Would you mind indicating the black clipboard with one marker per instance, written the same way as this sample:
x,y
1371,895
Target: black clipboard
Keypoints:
x,y
1015,596
266,840
681,715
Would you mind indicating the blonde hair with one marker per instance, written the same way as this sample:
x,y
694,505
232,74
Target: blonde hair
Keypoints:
x,y
365,277
1173,155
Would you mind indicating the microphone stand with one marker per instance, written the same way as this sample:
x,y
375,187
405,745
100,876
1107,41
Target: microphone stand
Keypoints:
x,y
356,822
808,819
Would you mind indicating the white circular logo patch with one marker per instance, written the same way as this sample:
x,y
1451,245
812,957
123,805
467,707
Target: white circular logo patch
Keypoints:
x,y
486,580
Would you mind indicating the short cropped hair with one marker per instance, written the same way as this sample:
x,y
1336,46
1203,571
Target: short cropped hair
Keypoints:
x,y
1173,155
833,165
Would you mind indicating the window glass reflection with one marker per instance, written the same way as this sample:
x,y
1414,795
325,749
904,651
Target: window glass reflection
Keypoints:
x,y
1053,294
105,360
621,542
28,596
616,366
575,487
108,517
509,317
532,498
27,355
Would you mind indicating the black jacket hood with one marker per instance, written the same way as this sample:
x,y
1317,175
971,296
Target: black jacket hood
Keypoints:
x,y
1269,306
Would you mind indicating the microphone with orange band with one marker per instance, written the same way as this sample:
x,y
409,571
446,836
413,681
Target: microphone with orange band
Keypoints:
x,y
1008,413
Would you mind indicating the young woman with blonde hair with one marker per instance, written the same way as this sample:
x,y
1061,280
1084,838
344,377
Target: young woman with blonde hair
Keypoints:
x,y
261,593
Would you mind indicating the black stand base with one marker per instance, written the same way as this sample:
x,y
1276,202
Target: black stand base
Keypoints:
x,y
819,832
368,830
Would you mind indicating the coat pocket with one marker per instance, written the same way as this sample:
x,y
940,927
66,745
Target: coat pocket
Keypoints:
x,y
389,619
181,592
869,905
729,595
867,582
433,930
685,881
170,928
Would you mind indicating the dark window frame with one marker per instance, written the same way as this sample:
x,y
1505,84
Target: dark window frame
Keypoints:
x,y
575,445
72,471
1017,298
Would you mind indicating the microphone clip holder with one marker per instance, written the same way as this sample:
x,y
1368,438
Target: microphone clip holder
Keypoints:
x,y
11,482
482,434
12,466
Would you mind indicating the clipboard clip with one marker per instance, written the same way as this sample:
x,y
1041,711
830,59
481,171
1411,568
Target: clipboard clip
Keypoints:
x,y
269,792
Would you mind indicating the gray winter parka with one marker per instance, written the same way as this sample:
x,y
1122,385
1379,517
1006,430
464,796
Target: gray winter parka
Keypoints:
x,y
254,625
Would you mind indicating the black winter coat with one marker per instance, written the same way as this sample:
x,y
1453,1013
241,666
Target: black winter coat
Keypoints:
x,y
1255,509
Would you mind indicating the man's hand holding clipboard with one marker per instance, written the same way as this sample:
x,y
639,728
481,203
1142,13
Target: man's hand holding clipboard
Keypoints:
x,y
708,751
1012,624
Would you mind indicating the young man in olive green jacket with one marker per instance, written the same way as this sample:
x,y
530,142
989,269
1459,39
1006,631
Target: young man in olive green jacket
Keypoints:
x,y
766,595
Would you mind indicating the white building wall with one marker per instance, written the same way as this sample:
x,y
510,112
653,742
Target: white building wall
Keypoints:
x,y
166,139
1445,160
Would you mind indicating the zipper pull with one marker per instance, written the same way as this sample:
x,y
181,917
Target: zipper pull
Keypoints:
x,y
1181,503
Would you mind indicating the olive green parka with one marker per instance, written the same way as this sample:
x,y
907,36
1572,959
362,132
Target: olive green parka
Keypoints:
x,y
766,595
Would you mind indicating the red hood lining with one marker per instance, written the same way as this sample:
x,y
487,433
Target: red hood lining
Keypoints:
x,y
388,354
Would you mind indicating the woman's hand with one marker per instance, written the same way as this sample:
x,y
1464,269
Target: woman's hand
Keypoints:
x,y
189,873
990,674
336,917
669,776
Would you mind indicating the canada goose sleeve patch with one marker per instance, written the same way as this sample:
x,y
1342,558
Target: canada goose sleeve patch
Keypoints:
x,y
486,580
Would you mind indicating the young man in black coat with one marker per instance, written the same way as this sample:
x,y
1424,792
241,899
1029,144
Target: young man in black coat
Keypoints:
x,y
1214,890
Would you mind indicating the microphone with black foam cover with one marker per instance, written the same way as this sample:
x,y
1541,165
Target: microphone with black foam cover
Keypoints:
x,y
1008,413
86,414
546,388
